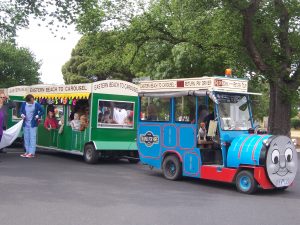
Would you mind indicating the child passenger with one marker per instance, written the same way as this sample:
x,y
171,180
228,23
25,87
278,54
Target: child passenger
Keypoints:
x,y
75,123
84,123
50,121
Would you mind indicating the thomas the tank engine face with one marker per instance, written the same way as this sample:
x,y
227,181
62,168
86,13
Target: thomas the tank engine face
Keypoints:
x,y
281,161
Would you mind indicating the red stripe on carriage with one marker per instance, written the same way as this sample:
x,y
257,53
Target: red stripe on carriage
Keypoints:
x,y
255,146
242,146
218,173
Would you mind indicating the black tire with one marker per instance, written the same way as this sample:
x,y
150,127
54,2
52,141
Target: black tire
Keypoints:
x,y
245,182
133,161
172,168
281,188
90,155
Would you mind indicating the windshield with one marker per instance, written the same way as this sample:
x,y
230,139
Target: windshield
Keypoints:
x,y
233,112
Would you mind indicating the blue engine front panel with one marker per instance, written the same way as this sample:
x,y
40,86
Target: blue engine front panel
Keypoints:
x,y
245,150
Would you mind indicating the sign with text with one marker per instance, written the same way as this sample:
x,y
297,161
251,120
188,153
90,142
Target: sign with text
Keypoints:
x,y
18,91
71,88
116,87
201,83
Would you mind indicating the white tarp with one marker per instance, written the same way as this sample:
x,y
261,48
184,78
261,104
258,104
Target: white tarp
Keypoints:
x,y
10,134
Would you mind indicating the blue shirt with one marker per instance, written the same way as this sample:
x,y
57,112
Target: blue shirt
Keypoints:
x,y
29,109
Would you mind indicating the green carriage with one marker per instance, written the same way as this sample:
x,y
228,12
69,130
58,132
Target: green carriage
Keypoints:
x,y
109,107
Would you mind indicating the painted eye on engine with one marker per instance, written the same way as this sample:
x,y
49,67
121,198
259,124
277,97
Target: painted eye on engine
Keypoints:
x,y
288,155
275,156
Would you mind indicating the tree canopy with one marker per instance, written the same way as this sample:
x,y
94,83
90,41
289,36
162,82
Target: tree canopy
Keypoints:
x,y
181,38
18,66
16,14
257,38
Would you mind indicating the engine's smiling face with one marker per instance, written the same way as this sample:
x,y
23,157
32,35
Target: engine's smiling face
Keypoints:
x,y
281,161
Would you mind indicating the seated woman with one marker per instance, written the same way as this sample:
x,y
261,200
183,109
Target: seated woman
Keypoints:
x,y
75,123
84,123
50,121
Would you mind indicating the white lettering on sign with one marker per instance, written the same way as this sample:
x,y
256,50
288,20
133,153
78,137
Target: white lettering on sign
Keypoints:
x,y
235,84
77,88
208,83
197,83
17,91
162,84
115,87
61,89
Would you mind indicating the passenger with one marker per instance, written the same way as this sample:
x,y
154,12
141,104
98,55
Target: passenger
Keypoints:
x,y
106,117
152,112
61,123
87,111
202,132
100,117
50,121
119,115
84,123
74,109
128,120
75,123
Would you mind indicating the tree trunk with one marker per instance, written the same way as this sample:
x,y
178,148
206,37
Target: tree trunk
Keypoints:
x,y
280,111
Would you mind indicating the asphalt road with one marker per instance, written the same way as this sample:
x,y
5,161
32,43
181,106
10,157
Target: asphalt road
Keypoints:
x,y
60,189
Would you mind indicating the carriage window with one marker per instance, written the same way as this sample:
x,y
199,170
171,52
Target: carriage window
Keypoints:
x,y
185,110
115,114
81,108
58,111
15,111
155,109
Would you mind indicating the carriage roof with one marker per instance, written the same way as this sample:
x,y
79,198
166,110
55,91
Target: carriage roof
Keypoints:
x,y
196,86
116,87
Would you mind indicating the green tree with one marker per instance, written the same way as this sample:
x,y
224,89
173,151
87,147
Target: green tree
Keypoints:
x,y
167,37
16,14
271,37
99,56
192,38
18,66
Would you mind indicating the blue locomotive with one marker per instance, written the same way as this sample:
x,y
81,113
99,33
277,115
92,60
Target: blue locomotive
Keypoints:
x,y
203,127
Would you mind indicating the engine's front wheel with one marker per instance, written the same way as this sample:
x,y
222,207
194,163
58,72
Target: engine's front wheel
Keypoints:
x,y
245,182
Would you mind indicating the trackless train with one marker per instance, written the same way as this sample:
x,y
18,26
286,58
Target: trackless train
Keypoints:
x,y
196,127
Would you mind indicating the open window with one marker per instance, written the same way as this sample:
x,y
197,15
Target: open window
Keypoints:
x,y
155,109
185,109
58,111
115,114
15,111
